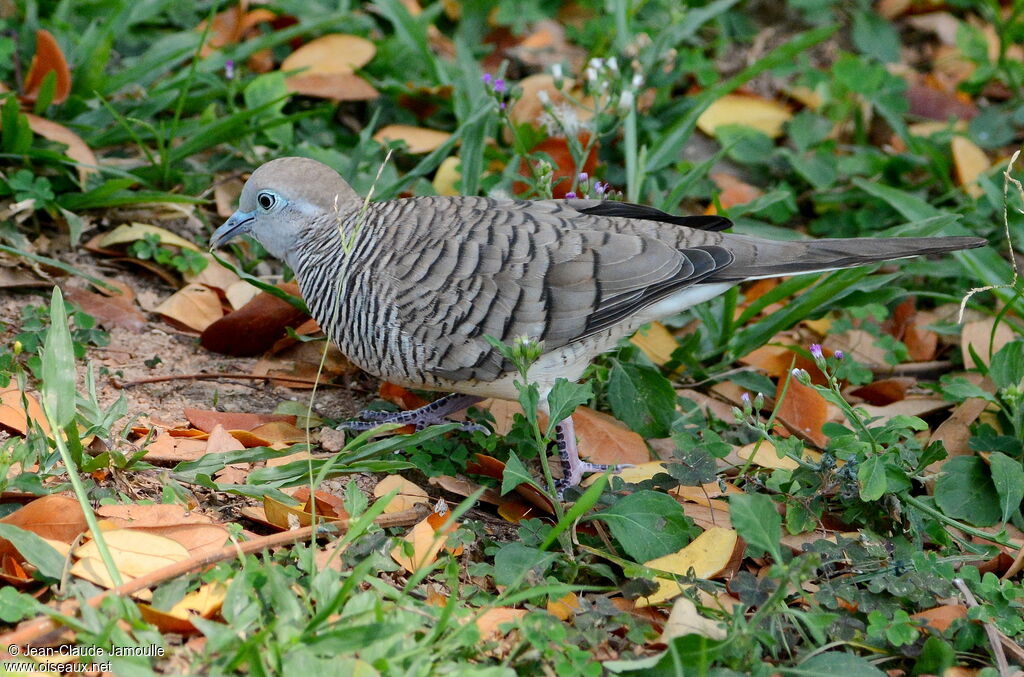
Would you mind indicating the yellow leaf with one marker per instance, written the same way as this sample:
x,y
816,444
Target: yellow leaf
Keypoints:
x,y
767,457
564,607
130,232
632,474
707,555
490,620
762,114
656,342
194,306
408,495
417,139
446,176
426,543
970,162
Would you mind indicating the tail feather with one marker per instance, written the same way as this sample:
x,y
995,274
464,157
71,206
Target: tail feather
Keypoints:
x,y
756,258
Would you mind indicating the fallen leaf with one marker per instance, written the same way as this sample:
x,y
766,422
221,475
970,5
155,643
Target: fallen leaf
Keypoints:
x,y
135,552
656,342
970,163
207,419
803,410
194,307
955,432
408,494
54,517
938,104
112,311
169,450
489,622
985,337
767,456
48,57
733,192
149,516
603,439
213,275
77,149
240,293
939,618
127,233
707,555
254,328
748,110
17,417
417,139
884,391
202,603
564,607
529,108
447,176
332,53
685,620
333,86
426,544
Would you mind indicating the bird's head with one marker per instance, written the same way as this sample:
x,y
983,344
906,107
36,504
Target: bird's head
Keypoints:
x,y
283,199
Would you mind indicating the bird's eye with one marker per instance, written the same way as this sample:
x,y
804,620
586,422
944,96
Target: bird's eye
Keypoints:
x,y
266,201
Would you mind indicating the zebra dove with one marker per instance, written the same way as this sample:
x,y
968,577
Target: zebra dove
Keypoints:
x,y
409,289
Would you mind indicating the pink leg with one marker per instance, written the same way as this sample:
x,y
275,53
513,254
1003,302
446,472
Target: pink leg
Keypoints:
x,y
572,467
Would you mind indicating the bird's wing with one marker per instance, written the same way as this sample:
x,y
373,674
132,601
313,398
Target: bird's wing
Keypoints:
x,y
466,268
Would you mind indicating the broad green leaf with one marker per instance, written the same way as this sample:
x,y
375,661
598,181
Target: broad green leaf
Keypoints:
x,y
642,398
514,474
1007,367
836,663
514,560
871,477
34,549
755,518
648,524
964,490
563,399
1008,476
58,386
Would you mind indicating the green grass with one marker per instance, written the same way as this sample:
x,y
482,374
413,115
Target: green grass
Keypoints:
x,y
166,122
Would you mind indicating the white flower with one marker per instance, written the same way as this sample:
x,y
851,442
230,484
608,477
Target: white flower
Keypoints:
x,y
544,97
613,65
556,71
626,99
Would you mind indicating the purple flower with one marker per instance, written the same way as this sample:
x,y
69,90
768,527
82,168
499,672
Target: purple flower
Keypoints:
x,y
600,188
229,69
570,195
745,397
839,354
584,177
487,78
499,86
502,105
816,351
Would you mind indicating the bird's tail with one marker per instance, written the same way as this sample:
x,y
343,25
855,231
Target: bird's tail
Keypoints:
x,y
756,258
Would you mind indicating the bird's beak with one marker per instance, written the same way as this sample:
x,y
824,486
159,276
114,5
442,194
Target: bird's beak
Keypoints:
x,y
239,224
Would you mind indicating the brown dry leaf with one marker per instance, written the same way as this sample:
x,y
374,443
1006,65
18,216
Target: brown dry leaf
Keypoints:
x,y
48,57
704,494
54,517
116,310
939,618
707,555
762,114
979,335
240,293
227,188
332,53
408,495
417,139
284,516
732,192
214,275
150,516
280,432
603,439
207,419
656,342
803,410
860,344
709,405
938,104
463,487
134,551
334,86
773,360
884,391
16,417
970,162
685,620
447,176
330,63
954,432
220,441
254,328
169,449
194,307
77,149
401,396
632,474
489,623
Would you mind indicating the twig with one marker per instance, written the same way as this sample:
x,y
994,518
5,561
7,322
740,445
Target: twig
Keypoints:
x,y
211,377
990,630
33,630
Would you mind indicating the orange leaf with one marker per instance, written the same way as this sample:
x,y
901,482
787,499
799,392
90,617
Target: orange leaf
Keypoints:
x,y
48,57
53,517
603,439
16,418
489,623
255,327
207,419
418,140
803,410
194,307
733,191
939,618
762,114
77,149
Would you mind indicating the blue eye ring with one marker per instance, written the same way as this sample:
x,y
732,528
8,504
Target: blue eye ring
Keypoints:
x,y
266,200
